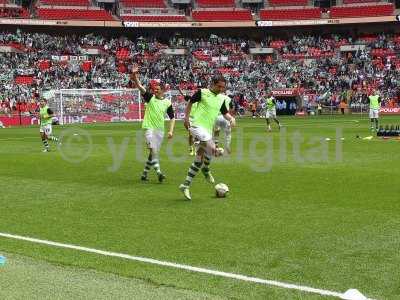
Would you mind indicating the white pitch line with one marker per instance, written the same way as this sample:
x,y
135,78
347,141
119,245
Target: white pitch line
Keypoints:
x,y
180,266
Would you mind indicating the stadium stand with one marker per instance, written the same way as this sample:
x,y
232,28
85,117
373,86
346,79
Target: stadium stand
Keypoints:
x,y
78,14
362,11
66,2
149,11
203,10
290,13
14,12
222,15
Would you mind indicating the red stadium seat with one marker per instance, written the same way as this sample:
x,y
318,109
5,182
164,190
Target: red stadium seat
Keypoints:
x,y
74,14
24,80
66,2
288,2
25,13
362,11
222,15
155,18
277,44
216,3
143,3
123,54
86,66
44,64
379,52
369,38
290,14
14,12
200,55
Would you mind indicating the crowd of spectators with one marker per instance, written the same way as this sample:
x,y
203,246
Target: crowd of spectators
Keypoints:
x,y
323,74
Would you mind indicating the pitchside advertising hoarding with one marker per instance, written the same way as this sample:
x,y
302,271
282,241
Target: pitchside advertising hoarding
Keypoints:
x,y
390,111
16,120
284,92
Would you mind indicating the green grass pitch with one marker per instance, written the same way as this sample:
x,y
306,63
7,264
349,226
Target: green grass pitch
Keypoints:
x,y
325,219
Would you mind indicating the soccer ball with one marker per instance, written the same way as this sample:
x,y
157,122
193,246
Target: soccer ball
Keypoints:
x,y
219,151
221,190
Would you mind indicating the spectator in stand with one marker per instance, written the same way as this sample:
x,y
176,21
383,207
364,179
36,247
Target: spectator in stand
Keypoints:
x,y
283,107
343,106
5,107
292,107
253,108
319,108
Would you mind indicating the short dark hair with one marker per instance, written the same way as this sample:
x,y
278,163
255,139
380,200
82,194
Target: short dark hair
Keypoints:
x,y
218,78
161,84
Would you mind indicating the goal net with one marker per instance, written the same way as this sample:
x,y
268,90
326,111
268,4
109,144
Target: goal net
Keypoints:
x,y
96,105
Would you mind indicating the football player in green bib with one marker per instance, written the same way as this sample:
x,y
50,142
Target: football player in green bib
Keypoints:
x,y
374,106
271,110
153,123
200,123
46,130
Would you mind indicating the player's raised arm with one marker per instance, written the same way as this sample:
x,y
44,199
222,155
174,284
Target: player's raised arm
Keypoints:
x,y
135,79
186,97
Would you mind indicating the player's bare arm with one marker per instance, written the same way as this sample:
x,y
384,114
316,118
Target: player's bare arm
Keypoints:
x,y
135,78
230,119
171,128
188,109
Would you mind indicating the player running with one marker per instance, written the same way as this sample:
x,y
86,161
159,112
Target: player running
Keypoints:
x,y
222,124
271,110
201,123
46,120
374,106
153,123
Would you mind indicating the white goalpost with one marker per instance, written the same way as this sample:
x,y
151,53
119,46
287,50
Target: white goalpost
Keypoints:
x,y
96,105
99,105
